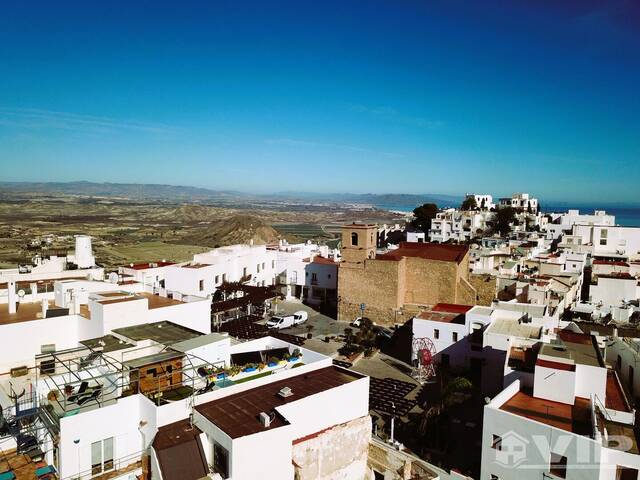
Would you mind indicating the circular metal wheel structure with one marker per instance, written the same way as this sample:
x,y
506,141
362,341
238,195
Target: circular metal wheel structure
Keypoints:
x,y
424,364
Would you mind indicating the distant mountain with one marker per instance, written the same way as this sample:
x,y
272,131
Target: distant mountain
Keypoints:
x,y
196,194
374,198
128,190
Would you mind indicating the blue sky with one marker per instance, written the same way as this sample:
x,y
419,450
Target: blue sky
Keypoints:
x,y
349,96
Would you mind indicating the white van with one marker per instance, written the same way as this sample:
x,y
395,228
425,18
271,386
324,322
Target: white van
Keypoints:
x,y
286,321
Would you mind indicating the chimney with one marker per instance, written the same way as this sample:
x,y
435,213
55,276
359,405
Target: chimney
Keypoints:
x,y
11,288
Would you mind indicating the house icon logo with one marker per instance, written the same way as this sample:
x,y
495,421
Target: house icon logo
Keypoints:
x,y
511,449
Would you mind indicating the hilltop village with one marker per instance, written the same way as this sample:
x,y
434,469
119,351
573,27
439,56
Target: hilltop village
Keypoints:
x,y
485,341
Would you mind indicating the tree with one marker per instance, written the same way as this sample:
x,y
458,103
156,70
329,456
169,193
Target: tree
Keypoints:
x,y
469,203
503,219
423,216
449,396
366,335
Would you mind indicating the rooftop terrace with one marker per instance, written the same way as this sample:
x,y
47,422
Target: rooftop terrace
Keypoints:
x,y
571,418
237,415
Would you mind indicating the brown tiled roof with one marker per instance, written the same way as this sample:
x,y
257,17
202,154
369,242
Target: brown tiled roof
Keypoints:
x,y
451,308
574,418
324,261
444,317
180,453
428,251
238,415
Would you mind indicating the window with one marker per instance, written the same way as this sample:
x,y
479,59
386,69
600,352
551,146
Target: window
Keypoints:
x,y
152,372
263,265
217,279
224,278
201,285
496,442
436,333
626,473
258,268
454,336
220,460
102,456
314,277
329,275
494,477
354,239
444,359
604,233
558,465
273,264
618,363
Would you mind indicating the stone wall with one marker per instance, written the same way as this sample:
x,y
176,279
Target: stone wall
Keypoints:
x,y
339,453
375,283
485,286
393,291
429,281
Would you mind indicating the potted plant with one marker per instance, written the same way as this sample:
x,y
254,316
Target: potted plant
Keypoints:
x,y
262,366
295,355
273,362
250,367
309,329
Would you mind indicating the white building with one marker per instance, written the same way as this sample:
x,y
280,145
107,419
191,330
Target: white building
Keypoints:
x,y
610,241
574,421
483,202
564,222
191,406
250,264
520,201
458,225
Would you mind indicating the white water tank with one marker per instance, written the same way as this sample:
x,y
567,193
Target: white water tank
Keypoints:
x,y
84,256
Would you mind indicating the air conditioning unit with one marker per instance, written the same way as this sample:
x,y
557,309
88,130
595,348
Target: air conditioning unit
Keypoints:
x,y
285,392
265,419
19,371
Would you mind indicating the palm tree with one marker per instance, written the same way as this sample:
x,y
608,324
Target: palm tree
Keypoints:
x,y
449,396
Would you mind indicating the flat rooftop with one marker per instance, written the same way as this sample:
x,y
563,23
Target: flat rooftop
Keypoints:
x,y
428,251
154,301
578,347
615,398
25,312
238,415
161,332
443,317
514,328
574,418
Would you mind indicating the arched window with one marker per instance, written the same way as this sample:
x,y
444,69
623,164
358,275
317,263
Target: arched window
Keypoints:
x,y
354,239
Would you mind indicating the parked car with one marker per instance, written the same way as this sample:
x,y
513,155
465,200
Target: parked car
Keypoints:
x,y
358,322
286,321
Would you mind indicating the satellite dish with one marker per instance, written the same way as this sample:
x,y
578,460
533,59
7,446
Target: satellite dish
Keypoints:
x,y
113,277
21,293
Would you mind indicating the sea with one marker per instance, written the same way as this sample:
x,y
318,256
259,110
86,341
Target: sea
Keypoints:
x,y
628,216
